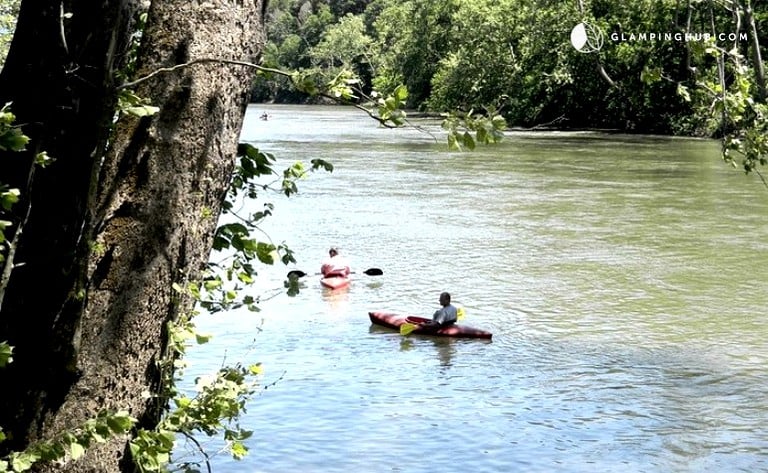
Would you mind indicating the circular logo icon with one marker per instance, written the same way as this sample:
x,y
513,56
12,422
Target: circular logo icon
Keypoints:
x,y
586,38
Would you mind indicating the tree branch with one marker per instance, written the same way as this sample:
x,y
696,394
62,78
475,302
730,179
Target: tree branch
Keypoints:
x,y
164,70
756,56
5,276
200,449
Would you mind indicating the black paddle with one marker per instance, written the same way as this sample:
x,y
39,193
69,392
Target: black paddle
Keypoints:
x,y
296,273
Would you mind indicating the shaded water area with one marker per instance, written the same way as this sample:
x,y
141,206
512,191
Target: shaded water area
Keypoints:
x,y
623,278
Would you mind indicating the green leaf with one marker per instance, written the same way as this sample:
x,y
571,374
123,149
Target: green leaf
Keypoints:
x,y
453,143
233,229
183,402
482,136
167,438
8,198
499,123
6,352
398,117
264,251
76,450
401,93
212,284
13,140
141,110
650,75
23,461
468,141
42,159
292,286
135,450
239,450
253,162
682,91
120,422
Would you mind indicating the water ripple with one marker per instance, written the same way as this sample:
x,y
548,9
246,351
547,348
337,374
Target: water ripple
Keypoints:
x,y
619,282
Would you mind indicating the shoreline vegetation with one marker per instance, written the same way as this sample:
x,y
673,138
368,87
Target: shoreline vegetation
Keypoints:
x,y
649,67
536,128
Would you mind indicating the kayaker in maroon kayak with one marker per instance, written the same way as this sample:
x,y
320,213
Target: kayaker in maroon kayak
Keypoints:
x,y
444,316
335,265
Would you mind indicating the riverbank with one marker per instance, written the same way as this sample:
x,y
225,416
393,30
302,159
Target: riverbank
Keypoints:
x,y
559,125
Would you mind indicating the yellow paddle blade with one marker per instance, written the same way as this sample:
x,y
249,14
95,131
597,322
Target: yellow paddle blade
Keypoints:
x,y
407,328
460,313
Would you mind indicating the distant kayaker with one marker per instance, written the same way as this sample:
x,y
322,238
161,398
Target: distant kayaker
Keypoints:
x,y
335,264
444,316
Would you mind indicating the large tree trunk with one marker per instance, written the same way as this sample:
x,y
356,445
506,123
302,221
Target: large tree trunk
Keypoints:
x,y
60,76
148,221
757,59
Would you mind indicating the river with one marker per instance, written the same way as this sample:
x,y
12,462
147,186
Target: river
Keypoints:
x,y
623,278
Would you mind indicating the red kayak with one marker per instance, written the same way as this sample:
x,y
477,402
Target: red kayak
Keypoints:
x,y
335,281
388,319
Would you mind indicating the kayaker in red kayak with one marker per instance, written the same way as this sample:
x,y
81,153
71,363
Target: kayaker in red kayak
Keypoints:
x,y
444,316
335,265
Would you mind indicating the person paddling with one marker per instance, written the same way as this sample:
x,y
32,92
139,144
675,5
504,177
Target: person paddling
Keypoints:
x,y
335,265
446,315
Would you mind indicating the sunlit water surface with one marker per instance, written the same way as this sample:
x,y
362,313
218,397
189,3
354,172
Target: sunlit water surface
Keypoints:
x,y
623,278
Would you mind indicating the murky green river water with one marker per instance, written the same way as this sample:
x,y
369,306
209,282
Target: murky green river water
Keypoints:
x,y
623,277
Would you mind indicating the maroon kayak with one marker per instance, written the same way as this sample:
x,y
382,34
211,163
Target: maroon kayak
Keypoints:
x,y
335,282
391,320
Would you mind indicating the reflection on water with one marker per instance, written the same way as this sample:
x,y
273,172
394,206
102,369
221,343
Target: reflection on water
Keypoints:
x,y
619,275
445,351
337,301
443,347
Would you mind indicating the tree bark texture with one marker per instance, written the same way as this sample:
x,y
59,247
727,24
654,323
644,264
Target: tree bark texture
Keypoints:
x,y
151,203
59,76
757,58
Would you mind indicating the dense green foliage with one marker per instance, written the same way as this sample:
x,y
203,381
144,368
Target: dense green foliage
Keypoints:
x,y
515,54
668,67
